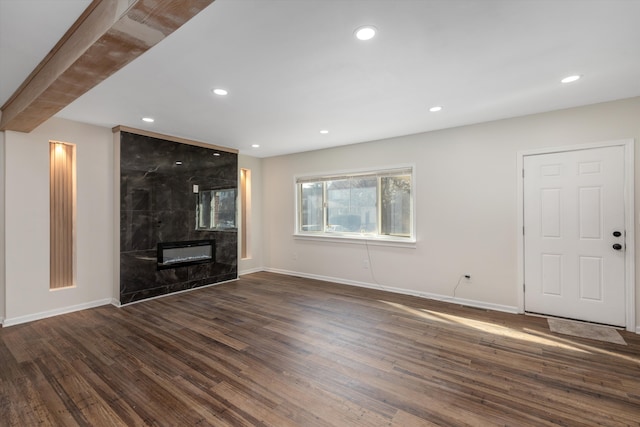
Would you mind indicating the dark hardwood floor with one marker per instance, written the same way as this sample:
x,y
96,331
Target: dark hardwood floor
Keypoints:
x,y
273,350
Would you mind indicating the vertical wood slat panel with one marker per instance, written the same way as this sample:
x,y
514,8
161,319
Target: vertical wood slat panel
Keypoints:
x,y
52,208
245,188
62,215
243,217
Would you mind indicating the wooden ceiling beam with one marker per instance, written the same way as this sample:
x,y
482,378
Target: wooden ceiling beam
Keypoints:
x,y
106,37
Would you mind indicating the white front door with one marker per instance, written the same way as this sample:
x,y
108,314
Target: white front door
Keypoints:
x,y
574,237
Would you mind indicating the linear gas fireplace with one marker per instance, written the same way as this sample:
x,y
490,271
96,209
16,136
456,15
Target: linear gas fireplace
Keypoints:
x,y
181,254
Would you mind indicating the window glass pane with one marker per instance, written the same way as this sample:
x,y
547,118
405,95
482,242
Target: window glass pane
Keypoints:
x,y
396,205
205,220
311,207
351,205
216,209
224,208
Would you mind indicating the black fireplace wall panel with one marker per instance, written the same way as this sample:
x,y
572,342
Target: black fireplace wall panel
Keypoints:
x,y
158,204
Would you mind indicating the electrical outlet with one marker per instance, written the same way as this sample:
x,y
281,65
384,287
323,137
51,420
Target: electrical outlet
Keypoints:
x,y
365,264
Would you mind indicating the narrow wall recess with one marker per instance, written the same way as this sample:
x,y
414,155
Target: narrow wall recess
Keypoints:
x,y
62,197
245,222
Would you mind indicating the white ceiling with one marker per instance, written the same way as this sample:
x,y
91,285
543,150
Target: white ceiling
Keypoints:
x,y
293,67
28,31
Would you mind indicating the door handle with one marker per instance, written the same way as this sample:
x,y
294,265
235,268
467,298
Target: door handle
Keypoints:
x,y
617,234
617,246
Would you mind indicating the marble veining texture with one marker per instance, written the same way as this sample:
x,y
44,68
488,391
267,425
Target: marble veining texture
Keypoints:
x,y
158,204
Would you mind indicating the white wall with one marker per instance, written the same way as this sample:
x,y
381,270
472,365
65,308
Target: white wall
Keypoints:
x,y
466,209
254,262
465,203
27,220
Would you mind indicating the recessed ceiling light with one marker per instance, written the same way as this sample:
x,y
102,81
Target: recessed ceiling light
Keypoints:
x,y
148,119
220,92
435,109
178,163
324,131
365,33
216,154
570,79
255,145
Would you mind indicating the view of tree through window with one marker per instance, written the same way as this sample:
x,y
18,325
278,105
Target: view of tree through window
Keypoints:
x,y
311,212
396,200
351,205
375,204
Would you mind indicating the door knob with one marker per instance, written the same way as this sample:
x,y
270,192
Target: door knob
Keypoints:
x,y
617,246
617,234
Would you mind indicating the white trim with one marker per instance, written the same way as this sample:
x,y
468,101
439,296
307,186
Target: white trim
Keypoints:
x,y
251,271
56,312
176,292
426,295
520,232
356,171
93,304
630,236
115,284
629,214
576,147
359,239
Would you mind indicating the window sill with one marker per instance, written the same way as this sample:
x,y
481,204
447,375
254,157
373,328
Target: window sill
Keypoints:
x,y
359,239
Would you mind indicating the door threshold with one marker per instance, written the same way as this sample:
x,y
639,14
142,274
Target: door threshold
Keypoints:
x,y
549,316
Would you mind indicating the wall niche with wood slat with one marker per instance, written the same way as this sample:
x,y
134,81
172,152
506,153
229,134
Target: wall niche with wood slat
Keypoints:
x,y
62,225
160,184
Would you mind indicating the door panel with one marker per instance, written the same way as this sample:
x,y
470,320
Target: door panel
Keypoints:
x,y
552,274
573,202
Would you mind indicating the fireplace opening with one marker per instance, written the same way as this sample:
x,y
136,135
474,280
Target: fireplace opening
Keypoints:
x,y
181,254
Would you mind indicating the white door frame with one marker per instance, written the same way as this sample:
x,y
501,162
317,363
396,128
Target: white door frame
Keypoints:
x,y
629,219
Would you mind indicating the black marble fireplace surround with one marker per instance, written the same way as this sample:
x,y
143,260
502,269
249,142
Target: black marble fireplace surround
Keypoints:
x,y
158,206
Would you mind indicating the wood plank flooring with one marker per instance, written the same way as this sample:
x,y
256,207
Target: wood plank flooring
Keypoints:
x,y
274,350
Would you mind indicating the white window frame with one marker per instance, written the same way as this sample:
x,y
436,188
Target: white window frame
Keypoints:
x,y
351,237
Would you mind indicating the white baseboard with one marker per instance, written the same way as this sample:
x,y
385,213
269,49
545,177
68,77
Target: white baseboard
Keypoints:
x,y
113,301
427,295
118,304
70,309
251,270
50,313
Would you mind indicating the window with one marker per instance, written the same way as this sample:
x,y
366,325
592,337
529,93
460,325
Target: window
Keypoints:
x,y
216,209
375,204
